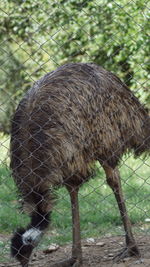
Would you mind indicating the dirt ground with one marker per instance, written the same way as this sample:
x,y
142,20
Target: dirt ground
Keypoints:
x,y
96,252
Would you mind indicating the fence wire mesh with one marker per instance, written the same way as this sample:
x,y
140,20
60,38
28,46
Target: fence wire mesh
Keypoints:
x,y
77,128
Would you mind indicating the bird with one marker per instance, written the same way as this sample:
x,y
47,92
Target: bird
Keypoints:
x,y
73,116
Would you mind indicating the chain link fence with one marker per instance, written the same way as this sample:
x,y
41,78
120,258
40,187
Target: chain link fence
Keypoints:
x,y
72,130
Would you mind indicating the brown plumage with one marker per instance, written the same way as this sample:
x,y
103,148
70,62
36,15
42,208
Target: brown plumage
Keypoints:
x,y
70,118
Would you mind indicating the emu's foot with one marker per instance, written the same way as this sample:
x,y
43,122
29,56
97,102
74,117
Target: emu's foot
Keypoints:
x,y
127,252
77,263
72,262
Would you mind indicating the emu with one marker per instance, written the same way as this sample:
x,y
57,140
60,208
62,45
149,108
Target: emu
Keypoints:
x,y
73,116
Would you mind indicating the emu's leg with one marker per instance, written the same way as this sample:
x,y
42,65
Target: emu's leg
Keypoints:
x,y
113,180
76,259
76,249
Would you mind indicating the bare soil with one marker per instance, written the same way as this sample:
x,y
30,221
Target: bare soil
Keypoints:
x,y
96,253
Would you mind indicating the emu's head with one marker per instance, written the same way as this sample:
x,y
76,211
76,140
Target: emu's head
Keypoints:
x,y
22,244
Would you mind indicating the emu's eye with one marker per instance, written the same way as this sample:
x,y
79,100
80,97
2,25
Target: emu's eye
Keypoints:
x,y
28,240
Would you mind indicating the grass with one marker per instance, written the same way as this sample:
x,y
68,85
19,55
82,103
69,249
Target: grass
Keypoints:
x,y
98,209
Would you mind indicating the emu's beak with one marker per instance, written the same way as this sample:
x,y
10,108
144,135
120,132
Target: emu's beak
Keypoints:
x,y
25,261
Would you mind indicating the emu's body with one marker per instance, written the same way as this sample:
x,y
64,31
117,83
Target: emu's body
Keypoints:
x,y
70,118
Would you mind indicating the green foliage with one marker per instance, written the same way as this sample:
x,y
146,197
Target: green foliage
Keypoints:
x,y
37,36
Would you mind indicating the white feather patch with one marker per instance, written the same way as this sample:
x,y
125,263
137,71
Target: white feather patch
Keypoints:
x,y
31,236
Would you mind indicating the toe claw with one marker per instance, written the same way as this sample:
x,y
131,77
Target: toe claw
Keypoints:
x,y
127,252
